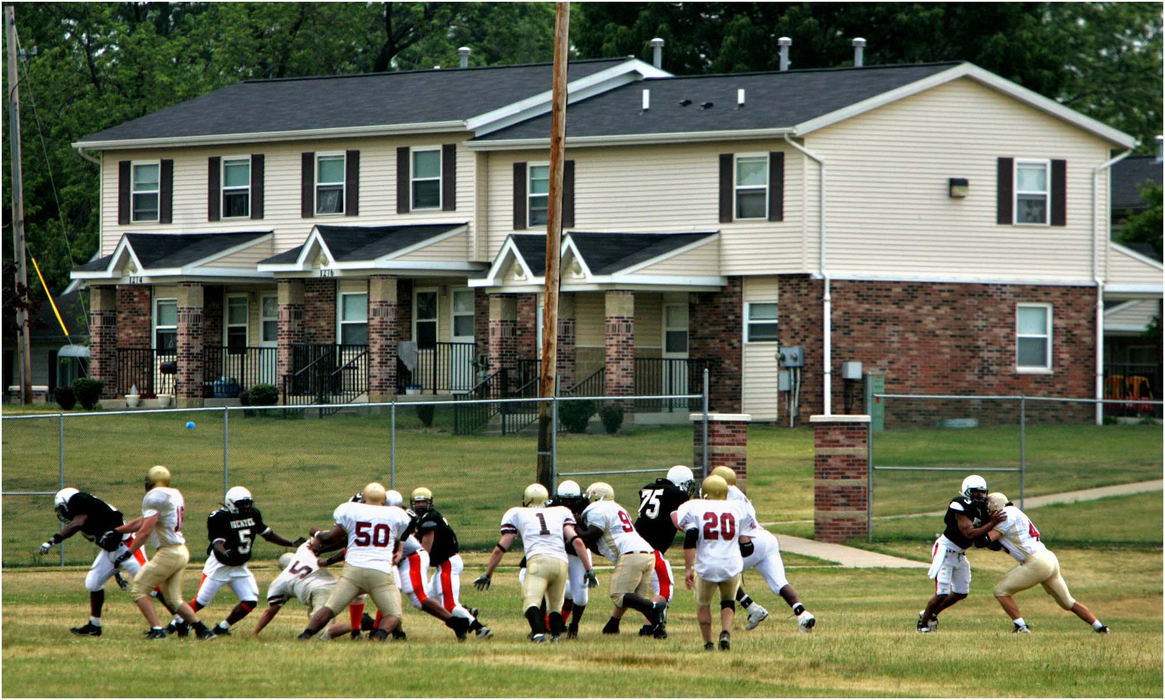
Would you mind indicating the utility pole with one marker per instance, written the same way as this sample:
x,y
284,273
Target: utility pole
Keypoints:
x,y
23,350
549,377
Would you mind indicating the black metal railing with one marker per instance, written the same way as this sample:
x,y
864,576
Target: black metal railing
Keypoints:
x,y
442,367
143,368
520,415
244,367
592,385
525,371
1132,381
326,374
656,376
469,418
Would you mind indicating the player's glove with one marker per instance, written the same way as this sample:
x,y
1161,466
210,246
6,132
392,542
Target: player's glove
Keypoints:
x,y
299,542
44,548
589,577
482,582
110,540
121,582
121,558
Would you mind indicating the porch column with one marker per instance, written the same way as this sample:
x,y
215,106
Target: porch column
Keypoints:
x,y
133,331
727,444
503,340
190,345
840,477
619,379
103,338
383,335
290,327
319,308
567,355
715,323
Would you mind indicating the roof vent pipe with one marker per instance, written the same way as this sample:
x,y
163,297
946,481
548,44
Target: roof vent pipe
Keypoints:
x,y
784,42
859,51
1160,141
463,52
646,99
657,52
739,98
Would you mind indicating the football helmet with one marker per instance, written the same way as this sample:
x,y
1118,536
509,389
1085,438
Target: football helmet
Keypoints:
x,y
61,503
725,473
157,476
358,497
600,491
682,477
535,495
995,502
393,497
569,489
422,499
238,498
715,488
975,483
375,494
285,560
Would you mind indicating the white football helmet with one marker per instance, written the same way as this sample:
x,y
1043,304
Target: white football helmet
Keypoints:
x,y
535,495
61,503
236,497
995,502
393,497
974,483
569,489
682,477
599,491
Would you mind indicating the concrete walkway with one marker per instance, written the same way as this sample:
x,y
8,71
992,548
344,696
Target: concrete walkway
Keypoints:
x,y
852,557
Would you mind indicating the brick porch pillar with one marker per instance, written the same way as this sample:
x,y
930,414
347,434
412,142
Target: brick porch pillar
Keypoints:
x,y
567,354
319,311
190,345
134,313
619,379
840,477
503,338
727,444
383,335
290,327
103,338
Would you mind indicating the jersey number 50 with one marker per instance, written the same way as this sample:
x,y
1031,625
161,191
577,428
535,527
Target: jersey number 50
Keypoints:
x,y
367,534
719,526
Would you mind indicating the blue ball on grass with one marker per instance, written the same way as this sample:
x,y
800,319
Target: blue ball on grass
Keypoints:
x,y
190,425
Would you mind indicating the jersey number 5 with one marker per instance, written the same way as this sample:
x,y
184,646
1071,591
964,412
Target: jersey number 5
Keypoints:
x,y
726,529
245,540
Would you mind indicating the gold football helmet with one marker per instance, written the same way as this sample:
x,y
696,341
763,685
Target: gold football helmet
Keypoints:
x,y
715,488
157,476
535,495
995,502
725,473
599,491
375,494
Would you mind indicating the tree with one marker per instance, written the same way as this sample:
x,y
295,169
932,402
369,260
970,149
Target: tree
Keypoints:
x,y
1144,227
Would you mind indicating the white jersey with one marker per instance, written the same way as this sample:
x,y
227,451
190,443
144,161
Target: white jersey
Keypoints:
x,y
410,546
720,525
619,534
301,578
373,531
170,507
541,529
735,494
1020,537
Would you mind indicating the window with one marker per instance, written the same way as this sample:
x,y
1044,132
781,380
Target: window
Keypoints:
x,y
236,324
675,330
146,191
426,179
760,322
1033,337
166,326
354,318
330,184
462,315
269,318
1031,192
752,187
236,187
539,195
425,318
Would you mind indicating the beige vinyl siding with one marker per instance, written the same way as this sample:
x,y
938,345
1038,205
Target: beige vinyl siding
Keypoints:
x,y
590,327
888,207
247,258
1127,269
281,206
455,247
704,260
648,322
663,189
1132,316
759,380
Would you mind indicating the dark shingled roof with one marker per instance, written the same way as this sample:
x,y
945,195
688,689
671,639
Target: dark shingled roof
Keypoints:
x,y
532,247
160,250
378,99
605,253
95,265
772,99
356,243
1128,176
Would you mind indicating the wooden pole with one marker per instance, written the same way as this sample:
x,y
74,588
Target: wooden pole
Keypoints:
x,y
23,350
549,376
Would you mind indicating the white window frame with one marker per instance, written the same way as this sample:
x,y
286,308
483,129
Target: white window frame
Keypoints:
x,y
1047,337
1047,193
530,193
413,179
343,183
435,319
134,191
665,329
226,319
264,320
737,188
341,321
453,315
224,190
539,320
749,323
155,326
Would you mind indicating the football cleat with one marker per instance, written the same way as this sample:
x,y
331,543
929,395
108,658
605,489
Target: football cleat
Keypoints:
x,y
398,635
725,641
305,636
571,632
646,630
204,634
709,646
1021,629
182,629
377,635
155,633
221,631
806,621
660,631
612,627
354,634
367,624
923,629
555,639
756,615
484,632
1101,630
538,638
91,630
659,613
460,627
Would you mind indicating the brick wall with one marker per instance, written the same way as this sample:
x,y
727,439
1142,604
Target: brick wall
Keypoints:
x,y
840,473
480,321
103,314
383,335
567,354
290,325
191,370
133,316
503,321
619,379
715,333
213,316
404,308
727,443
319,311
526,332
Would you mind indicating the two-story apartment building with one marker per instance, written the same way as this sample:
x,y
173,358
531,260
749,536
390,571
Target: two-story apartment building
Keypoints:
x,y
934,222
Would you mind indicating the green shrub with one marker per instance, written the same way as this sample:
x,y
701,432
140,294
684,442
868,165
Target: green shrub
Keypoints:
x,y
574,415
88,391
612,417
66,397
262,395
425,414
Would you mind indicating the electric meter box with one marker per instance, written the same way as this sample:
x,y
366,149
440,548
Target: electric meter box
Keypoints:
x,y
793,356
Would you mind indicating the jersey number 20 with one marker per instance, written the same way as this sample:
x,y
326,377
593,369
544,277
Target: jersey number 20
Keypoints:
x,y
719,526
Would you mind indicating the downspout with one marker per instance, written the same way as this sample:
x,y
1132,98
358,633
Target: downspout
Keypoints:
x,y
1096,277
100,199
81,152
827,304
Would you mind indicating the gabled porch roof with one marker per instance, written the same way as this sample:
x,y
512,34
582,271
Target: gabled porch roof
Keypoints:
x,y
419,249
166,257
594,261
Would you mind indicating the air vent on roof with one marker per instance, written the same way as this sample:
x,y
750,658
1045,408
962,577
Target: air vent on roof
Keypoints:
x,y
685,102
646,99
705,105
859,51
463,52
740,98
657,52
784,42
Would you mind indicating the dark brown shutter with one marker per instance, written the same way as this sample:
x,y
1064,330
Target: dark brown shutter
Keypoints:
x,y
776,186
166,198
519,196
307,204
213,188
1004,191
352,183
257,162
1059,202
726,188
123,184
568,194
449,177
403,186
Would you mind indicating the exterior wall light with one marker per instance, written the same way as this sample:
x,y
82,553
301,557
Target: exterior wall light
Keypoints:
x,y
959,187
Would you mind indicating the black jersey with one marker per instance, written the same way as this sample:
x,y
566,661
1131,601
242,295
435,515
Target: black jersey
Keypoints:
x,y
657,501
576,504
237,531
100,517
975,510
444,539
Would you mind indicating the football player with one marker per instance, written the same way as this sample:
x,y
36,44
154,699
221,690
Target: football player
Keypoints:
x,y
542,530
163,510
714,551
609,524
301,577
232,530
578,593
1019,536
766,559
95,520
966,520
657,501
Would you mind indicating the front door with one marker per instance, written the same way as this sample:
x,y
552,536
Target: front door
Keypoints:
x,y
268,337
675,354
